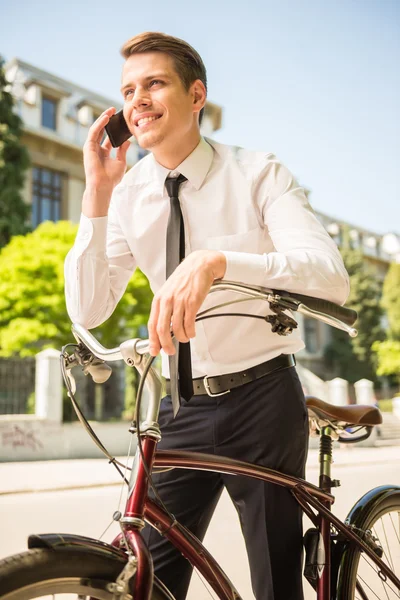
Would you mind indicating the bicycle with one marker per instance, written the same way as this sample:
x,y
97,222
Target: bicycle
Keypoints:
x,y
336,552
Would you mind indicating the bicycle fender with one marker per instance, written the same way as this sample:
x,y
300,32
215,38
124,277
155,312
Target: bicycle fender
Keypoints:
x,y
61,542
364,505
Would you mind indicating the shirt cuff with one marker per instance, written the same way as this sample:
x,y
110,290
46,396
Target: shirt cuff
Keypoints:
x,y
92,235
245,268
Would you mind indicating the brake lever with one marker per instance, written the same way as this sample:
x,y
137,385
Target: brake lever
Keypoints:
x,y
99,370
70,361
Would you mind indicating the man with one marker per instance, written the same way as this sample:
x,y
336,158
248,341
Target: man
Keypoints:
x,y
245,219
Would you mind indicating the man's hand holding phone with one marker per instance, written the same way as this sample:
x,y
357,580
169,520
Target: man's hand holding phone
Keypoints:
x,y
102,171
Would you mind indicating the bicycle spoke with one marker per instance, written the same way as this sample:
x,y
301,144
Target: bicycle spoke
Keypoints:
x,y
375,533
394,527
204,584
385,583
360,589
388,547
370,588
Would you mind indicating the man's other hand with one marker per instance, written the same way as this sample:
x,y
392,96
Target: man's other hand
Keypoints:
x,y
176,304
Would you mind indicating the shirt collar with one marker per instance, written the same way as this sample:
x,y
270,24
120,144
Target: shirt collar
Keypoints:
x,y
195,166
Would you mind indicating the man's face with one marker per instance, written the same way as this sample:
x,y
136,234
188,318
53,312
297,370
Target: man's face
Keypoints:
x,y
157,108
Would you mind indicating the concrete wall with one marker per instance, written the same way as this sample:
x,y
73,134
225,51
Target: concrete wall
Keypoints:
x,y
25,437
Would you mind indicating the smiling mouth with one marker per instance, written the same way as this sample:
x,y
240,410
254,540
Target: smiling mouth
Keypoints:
x,y
146,120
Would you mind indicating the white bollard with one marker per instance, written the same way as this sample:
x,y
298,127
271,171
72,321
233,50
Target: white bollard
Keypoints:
x,y
338,391
396,406
365,392
48,386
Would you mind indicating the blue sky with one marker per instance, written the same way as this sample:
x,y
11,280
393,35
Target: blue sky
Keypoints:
x,y
317,83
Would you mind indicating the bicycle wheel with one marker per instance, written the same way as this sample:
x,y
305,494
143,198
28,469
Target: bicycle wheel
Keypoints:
x,y
46,574
359,577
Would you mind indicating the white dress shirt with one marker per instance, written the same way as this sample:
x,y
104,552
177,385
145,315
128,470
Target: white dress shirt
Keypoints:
x,y
244,203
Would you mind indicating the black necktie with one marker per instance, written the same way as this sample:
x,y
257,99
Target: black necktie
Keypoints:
x,y
181,361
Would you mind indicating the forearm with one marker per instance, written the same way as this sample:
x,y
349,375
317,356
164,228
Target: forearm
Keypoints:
x,y
306,271
96,277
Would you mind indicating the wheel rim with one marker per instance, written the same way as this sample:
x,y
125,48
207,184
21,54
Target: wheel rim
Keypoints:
x,y
370,583
67,588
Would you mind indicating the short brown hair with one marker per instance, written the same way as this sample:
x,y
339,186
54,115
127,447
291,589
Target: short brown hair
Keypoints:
x,y
188,63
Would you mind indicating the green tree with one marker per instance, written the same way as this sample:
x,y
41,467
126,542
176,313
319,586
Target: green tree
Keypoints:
x,y
388,351
353,358
388,354
33,313
14,160
391,300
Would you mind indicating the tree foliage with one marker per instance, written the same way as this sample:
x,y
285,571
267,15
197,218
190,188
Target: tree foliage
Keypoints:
x,y
391,300
14,160
388,351
33,313
353,358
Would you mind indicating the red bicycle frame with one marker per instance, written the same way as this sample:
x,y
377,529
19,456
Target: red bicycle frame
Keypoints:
x,y
315,501
140,506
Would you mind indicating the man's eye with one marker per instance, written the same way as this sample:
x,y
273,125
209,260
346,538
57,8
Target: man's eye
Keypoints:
x,y
155,81
128,93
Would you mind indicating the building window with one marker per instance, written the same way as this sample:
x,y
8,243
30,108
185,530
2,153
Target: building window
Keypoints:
x,y
46,197
49,113
311,338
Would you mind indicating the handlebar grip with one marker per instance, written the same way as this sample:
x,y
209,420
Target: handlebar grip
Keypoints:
x,y
347,315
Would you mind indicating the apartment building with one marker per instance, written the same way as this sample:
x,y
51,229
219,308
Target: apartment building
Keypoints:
x,y
378,250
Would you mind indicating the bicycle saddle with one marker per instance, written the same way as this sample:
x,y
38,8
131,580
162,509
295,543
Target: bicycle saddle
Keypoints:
x,y
355,414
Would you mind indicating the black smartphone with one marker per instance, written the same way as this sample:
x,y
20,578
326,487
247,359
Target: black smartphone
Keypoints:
x,y
117,130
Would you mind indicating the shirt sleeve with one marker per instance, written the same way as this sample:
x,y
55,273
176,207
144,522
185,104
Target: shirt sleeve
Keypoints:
x,y
305,258
97,269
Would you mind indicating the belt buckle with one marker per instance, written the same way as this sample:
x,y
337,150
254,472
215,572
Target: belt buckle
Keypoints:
x,y
209,392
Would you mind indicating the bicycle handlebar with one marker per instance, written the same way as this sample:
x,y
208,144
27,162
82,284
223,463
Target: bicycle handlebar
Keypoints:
x,y
316,308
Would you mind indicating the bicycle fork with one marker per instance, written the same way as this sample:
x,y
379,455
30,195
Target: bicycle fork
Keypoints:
x,y
132,522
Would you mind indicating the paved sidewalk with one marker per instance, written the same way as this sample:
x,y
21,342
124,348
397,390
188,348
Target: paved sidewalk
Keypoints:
x,y
26,477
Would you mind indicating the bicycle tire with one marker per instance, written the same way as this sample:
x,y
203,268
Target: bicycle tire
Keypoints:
x,y
352,572
42,572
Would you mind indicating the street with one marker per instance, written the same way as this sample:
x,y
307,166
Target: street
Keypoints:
x,y
88,511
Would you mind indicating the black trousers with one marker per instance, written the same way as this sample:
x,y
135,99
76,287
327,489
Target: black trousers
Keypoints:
x,y
264,422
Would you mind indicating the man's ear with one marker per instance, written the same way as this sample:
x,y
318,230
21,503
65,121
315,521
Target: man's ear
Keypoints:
x,y
199,95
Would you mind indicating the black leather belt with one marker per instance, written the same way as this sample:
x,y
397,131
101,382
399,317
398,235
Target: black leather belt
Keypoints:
x,y
222,384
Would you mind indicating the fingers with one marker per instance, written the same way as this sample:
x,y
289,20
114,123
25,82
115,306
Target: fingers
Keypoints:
x,y
159,326
96,131
178,327
189,321
122,150
177,303
164,314
164,326
154,342
107,144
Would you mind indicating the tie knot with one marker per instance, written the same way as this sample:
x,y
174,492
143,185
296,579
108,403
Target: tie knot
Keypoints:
x,y
172,184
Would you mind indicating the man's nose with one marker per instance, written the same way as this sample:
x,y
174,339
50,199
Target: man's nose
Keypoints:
x,y
140,98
